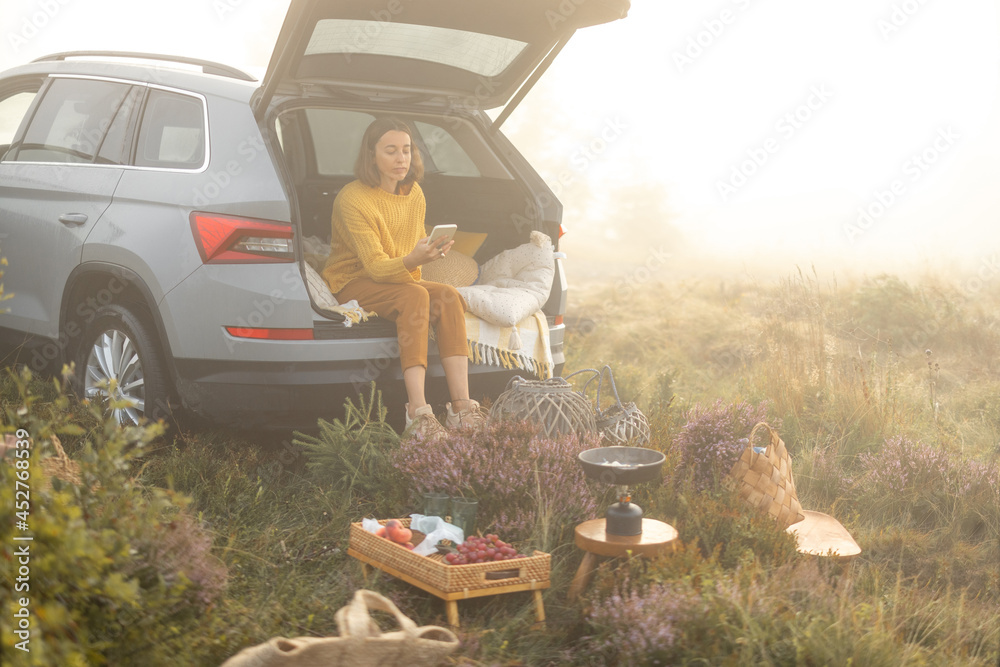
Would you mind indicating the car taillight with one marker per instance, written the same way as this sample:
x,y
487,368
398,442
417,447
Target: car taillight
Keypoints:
x,y
223,239
270,334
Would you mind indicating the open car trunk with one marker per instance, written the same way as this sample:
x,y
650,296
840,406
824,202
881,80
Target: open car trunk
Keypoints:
x,y
439,66
477,53
495,201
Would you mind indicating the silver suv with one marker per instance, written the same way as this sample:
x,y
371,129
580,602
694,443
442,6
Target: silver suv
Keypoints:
x,y
154,210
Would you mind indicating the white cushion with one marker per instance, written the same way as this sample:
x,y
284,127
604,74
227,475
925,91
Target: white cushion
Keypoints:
x,y
514,284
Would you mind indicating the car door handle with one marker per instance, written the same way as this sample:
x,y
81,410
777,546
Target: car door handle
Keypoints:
x,y
73,218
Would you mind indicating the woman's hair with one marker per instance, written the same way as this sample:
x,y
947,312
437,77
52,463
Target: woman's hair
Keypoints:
x,y
366,169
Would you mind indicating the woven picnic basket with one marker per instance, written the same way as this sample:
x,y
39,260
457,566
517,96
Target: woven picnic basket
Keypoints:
x,y
434,571
621,423
765,478
551,403
361,642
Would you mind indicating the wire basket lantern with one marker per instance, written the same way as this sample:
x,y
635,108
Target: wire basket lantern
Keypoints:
x,y
620,424
551,403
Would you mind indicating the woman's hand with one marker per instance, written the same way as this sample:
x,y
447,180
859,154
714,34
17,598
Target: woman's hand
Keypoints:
x,y
425,252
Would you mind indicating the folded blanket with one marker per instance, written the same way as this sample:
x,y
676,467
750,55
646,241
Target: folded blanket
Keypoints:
x,y
322,297
524,346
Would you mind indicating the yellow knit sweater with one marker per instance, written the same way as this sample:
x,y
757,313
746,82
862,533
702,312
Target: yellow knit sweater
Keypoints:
x,y
372,232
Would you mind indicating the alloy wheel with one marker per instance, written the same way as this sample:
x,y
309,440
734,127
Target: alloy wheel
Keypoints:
x,y
114,362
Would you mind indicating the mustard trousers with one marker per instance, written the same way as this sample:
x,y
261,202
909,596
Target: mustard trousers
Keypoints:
x,y
415,307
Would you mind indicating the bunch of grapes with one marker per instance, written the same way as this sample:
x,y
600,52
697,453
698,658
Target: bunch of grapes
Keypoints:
x,y
482,550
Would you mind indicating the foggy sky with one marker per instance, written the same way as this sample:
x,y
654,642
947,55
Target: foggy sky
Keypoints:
x,y
858,133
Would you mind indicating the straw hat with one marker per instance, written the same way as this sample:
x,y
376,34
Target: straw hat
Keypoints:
x,y
453,269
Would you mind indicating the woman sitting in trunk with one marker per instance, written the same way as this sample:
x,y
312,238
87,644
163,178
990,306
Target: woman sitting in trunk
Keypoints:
x,y
378,246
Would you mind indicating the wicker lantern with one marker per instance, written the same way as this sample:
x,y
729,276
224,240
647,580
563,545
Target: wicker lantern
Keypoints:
x,y
620,424
624,425
551,403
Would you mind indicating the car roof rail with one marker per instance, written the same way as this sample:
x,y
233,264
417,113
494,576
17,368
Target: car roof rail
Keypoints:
x,y
207,66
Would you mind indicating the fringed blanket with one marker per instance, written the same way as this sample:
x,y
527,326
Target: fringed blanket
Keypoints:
x,y
524,346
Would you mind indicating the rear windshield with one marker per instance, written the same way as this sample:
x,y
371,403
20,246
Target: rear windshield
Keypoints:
x,y
447,148
485,55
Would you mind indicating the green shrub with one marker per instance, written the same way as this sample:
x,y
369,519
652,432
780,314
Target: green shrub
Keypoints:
x,y
354,457
117,573
724,525
891,308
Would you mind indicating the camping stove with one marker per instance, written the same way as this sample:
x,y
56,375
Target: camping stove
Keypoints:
x,y
622,466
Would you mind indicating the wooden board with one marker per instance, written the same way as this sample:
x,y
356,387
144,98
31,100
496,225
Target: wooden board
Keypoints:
x,y
821,535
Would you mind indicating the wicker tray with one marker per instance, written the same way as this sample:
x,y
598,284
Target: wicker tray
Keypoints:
x,y
444,580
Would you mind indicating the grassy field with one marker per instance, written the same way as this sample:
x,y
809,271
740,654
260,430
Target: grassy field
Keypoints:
x,y
886,392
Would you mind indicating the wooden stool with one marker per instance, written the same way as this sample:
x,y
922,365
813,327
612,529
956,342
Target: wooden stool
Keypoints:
x,y
656,538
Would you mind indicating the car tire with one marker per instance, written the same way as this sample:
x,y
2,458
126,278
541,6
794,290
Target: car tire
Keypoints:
x,y
119,345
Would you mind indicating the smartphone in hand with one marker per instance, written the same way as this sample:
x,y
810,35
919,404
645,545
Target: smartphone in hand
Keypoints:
x,y
442,234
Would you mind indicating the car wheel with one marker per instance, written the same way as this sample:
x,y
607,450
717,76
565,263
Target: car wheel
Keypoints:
x,y
120,350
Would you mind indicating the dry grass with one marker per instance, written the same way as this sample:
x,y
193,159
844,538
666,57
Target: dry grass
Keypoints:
x,y
842,365
845,367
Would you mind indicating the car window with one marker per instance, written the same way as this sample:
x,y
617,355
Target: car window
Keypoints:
x,y
71,121
446,155
13,108
336,136
485,55
172,134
